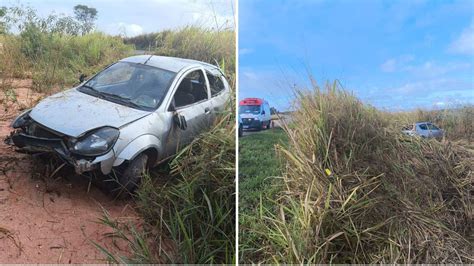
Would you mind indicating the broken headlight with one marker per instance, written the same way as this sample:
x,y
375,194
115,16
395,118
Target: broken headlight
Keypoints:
x,y
22,119
97,142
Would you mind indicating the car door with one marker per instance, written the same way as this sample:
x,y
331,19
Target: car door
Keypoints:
x,y
429,132
423,130
434,130
191,101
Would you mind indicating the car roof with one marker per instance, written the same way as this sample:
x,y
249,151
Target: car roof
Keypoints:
x,y
174,64
418,123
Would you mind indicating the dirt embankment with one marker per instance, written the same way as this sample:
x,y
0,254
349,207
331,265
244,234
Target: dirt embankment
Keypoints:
x,y
48,217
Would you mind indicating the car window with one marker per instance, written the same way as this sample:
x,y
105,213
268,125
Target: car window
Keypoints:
x,y
215,83
423,127
192,89
432,127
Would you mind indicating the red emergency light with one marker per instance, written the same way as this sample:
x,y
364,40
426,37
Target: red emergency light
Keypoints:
x,y
251,101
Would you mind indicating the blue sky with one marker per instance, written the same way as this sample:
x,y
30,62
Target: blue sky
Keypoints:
x,y
133,17
395,55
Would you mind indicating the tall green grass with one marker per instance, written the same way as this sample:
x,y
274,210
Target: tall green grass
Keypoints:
x,y
198,211
58,60
214,47
48,52
358,191
193,42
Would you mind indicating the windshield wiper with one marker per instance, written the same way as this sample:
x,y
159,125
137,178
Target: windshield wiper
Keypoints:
x,y
121,99
92,89
126,101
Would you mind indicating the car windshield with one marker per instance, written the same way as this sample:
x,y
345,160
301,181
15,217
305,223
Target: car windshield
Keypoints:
x,y
135,85
249,109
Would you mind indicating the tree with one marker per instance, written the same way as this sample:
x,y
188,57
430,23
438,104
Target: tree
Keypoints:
x,y
86,16
273,111
3,26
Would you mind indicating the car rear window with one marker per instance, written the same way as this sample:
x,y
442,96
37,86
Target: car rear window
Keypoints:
x,y
215,83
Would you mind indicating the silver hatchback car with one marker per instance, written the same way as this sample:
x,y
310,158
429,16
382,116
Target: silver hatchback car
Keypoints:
x,y
132,115
424,130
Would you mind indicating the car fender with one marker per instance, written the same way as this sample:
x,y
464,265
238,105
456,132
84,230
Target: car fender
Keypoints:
x,y
137,146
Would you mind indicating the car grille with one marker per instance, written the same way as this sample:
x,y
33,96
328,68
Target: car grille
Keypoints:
x,y
37,130
247,121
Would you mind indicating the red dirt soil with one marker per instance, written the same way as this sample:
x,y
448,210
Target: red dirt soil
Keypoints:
x,y
49,219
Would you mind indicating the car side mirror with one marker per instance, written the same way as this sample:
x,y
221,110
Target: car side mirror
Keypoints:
x,y
180,121
82,77
263,112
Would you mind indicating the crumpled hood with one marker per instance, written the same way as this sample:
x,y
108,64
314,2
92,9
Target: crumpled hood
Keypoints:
x,y
73,113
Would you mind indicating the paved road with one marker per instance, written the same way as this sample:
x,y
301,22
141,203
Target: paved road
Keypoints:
x,y
276,123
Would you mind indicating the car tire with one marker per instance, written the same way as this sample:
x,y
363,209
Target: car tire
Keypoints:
x,y
128,179
241,131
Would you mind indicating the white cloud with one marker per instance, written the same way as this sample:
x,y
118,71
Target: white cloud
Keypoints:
x,y
464,44
432,85
424,69
389,65
395,64
433,69
245,51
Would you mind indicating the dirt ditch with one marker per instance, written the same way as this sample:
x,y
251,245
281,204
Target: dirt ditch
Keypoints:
x,y
49,219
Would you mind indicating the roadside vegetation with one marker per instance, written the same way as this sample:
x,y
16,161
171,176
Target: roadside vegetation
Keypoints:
x,y
52,51
260,170
187,206
353,189
216,47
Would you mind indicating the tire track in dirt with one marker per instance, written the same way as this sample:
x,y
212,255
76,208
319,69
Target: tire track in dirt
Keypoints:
x,y
50,220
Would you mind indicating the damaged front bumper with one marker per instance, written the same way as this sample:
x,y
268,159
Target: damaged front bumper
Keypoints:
x,y
26,143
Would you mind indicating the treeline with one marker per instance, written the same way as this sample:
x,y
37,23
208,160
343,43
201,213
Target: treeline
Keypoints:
x,y
147,41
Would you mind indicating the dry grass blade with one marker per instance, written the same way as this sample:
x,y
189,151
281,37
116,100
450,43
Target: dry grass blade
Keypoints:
x,y
357,191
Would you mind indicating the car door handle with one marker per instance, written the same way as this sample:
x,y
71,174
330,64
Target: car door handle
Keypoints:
x,y
207,110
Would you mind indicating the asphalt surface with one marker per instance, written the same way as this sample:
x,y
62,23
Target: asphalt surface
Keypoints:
x,y
275,123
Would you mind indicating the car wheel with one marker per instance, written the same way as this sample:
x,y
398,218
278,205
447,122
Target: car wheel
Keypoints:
x,y
241,130
128,180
